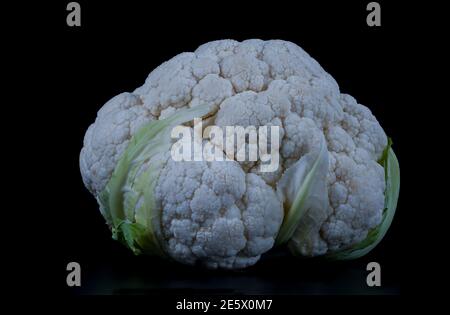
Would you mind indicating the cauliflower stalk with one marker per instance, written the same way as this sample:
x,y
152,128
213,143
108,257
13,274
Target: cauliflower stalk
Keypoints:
x,y
334,193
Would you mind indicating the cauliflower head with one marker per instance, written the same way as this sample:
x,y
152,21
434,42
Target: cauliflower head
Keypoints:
x,y
226,214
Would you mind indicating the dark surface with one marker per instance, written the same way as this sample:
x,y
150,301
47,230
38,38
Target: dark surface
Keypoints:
x,y
275,274
115,49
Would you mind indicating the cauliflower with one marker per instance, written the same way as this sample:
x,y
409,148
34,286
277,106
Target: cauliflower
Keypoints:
x,y
328,196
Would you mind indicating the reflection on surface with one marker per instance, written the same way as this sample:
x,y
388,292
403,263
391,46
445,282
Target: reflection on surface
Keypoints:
x,y
277,273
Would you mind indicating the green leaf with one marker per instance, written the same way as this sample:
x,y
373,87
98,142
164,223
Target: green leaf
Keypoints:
x,y
303,189
392,176
127,202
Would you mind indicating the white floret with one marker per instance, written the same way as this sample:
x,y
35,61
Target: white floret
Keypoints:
x,y
215,214
107,138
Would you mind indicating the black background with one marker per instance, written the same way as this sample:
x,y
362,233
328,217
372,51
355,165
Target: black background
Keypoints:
x,y
113,51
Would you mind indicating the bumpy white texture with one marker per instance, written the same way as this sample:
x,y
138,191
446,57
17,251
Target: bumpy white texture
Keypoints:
x,y
226,213
216,213
107,138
